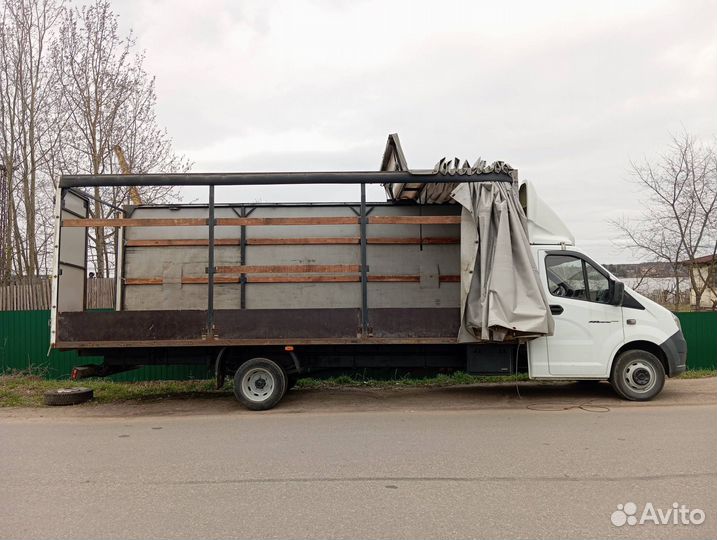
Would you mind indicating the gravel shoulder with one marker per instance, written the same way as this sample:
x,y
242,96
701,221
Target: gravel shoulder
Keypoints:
x,y
522,395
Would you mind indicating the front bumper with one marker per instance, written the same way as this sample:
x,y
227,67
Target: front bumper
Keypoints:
x,y
675,350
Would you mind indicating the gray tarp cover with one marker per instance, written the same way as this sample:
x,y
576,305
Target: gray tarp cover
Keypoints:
x,y
500,286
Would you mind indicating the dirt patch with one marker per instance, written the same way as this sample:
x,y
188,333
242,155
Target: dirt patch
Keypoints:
x,y
465,397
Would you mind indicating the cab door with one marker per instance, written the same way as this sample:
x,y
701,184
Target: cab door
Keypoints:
x,y
587,327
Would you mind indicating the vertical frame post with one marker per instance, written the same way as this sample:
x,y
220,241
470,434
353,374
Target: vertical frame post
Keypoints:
x,y
210,267
242,261
365,328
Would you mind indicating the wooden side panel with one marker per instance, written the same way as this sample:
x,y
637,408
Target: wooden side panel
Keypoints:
x,y
296,257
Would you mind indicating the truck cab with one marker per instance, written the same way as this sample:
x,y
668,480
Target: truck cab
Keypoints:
x,y
603,330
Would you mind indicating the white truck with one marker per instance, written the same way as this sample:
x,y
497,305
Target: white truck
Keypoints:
x,y
463,268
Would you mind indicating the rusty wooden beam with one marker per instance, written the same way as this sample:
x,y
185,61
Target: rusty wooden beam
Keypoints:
x,y
344,240
186,242
288,269
414,220
135,222
143,281
255,221
336,278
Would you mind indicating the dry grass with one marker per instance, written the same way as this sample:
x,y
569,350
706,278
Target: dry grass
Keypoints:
x,y
26,390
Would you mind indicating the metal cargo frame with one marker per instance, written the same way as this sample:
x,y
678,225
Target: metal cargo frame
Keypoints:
x,y
80,329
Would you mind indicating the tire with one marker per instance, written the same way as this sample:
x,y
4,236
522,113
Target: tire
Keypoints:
x,y
259,384
68,396
637,375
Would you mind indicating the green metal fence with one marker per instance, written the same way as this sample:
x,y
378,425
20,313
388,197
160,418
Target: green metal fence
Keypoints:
x,y
700,329
25,343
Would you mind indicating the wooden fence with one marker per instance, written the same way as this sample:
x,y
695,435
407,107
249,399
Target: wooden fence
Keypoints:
x,y
34,293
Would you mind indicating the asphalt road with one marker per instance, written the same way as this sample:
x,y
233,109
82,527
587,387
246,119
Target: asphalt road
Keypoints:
x,y
498,473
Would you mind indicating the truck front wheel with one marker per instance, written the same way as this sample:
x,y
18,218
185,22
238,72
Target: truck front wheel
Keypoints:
x,y
637,375
259,384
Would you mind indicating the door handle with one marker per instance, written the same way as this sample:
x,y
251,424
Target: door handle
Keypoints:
x,y
556,309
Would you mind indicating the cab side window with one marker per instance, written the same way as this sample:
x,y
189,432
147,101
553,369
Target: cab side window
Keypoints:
x,y
598,285
572,277
565,276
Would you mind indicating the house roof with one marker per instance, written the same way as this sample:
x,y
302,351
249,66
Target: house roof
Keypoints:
x,y
707,259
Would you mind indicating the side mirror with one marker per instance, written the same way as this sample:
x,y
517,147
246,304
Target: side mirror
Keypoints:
x,y
618,290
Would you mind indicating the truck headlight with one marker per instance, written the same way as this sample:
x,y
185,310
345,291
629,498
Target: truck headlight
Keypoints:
x,y
677,321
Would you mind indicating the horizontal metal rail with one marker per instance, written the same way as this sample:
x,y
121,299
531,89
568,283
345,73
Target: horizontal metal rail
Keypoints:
x,y
255,222
259,222
272,178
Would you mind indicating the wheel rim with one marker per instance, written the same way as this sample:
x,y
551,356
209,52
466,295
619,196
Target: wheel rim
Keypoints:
x,y
640,376
258,384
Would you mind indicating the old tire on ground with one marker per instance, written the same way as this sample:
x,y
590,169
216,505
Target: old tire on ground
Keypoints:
x,y
68,396
637,375
259,384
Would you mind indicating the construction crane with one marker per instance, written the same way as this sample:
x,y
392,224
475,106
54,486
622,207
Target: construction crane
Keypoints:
x,y
124,167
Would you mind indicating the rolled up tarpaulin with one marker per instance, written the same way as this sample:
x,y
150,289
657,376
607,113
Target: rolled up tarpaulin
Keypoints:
x,y
501,294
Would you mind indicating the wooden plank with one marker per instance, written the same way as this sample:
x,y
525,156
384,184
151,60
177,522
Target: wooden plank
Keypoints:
x,y
254,221
288,268
144,281
405,278
196,280
135,222
414,220
338,240
186,242
202,280
305,279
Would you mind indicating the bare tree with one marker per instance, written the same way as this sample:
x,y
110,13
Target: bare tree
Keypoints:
x,y
679,217
71,88
109,100
27,91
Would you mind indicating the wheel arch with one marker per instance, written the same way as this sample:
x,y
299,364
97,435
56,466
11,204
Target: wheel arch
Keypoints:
x,y
234,356
641,345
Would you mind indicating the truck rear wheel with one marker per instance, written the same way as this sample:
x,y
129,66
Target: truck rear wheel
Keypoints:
x,y
259,384
637,375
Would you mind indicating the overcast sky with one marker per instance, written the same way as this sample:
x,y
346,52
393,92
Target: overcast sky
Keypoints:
x,y
567,92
